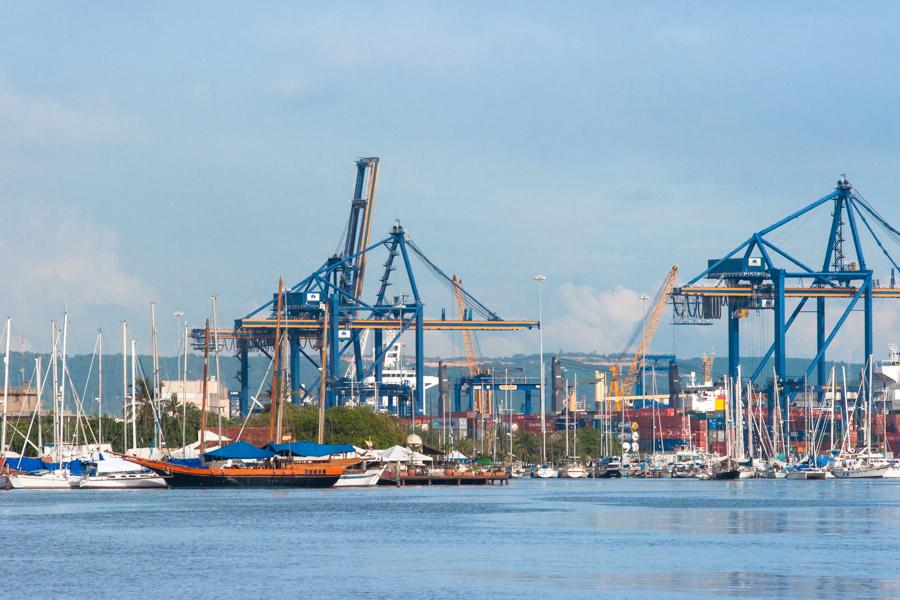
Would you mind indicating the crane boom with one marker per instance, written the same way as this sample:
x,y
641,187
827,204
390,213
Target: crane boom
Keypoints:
x,y
359,226
468,339
652,323
481,398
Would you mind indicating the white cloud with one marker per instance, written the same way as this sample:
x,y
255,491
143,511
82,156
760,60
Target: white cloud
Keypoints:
x,y
44,120
600,320
52,261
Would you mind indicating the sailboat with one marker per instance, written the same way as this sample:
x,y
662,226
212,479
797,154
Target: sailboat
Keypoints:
x,y
726,467
545,471
865,463
40,474
573,469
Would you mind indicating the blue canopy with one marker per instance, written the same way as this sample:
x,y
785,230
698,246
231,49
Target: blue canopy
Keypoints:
x,y
26,464
310,449
239,451
33,465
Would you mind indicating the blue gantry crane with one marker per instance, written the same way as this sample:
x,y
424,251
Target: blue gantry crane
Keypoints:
x,y
325,315
758,274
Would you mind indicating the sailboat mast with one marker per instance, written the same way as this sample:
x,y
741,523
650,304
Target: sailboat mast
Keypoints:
x,y
831,433
205,388
749,452
567,417
134,439
845,415
728,429
5,385
124,386
183,393
99,387
40,398
62,391
739,415
154,399
323,358
276,366
575,427
869,406
215,333
57,435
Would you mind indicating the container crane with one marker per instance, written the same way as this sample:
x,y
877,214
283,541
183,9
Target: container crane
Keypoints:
x,y
760,275
325,313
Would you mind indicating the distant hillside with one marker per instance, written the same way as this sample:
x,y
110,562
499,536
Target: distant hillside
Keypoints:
x,y
581,364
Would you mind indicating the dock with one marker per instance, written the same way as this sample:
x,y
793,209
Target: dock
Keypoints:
x,y
445,478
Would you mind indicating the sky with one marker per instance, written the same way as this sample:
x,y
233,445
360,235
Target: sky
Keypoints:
x,y
166,152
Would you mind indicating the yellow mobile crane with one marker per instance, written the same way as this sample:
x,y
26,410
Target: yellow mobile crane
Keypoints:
x,y
648,326
481,399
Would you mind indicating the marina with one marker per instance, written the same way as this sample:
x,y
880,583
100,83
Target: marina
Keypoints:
x,y
449,299
537,539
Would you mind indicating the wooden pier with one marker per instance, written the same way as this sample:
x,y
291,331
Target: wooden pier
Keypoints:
x,y
447,477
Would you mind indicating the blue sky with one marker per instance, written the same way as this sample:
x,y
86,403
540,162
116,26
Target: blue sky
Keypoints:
x,y
163,152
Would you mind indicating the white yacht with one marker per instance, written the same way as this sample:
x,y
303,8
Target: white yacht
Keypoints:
x,y
363,478
863,465
119,474
50,480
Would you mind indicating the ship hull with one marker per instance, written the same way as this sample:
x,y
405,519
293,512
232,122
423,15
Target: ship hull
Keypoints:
x,y
300,475
183,480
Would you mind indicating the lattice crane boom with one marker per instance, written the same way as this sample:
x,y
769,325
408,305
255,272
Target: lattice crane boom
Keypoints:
x,y
651,326
468,338
481,398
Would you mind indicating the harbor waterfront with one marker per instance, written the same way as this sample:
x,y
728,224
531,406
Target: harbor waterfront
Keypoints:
x,y
535,539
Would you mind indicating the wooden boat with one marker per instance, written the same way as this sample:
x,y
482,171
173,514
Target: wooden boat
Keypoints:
x,y
272,474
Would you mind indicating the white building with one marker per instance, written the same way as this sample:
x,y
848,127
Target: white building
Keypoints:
x,y
191,391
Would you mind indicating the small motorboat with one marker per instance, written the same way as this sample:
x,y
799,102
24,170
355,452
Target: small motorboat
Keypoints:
x,y
360,477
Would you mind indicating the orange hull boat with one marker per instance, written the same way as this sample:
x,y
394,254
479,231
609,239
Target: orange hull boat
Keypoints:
x,y
313,474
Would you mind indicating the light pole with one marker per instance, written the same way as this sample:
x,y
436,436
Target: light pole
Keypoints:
x,y
540,280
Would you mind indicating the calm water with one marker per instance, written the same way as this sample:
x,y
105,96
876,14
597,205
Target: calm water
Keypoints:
x,y
532,539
